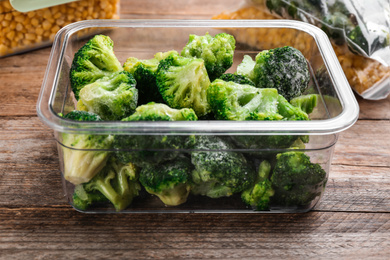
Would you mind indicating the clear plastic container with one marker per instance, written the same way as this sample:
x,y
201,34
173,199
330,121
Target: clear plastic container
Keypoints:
x,y
25,31
336,111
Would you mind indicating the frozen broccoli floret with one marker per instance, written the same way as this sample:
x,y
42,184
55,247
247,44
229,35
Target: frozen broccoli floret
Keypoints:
x,y
169,180
296,180
290,112
80,163
239,79
153,149
258,196
144,72
217,52
183,83
112,97
83,200
245,68
117,182
94,60
282,68
306,102
218,172
161,112
232,101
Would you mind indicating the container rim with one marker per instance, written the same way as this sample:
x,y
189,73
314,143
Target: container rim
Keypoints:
x,y
341,122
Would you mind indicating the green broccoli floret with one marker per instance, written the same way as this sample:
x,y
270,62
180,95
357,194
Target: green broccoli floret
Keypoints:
x,y
218,172
258,196
169,180
217,52
239,79
117,182
161,112
245,68
290,112
144,72
153,149
183,83
82,200
232,101
112,97
296,180
306,103
94,60
82,116
80,164
282,68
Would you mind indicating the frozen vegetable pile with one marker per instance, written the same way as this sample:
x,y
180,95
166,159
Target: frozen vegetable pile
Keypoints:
x,y
189,86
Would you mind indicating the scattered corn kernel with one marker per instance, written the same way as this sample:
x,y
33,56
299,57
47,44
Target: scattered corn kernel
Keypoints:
x,y
21,31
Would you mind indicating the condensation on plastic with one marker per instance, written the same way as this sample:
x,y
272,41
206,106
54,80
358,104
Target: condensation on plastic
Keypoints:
x,y
337,108
25,31
356,27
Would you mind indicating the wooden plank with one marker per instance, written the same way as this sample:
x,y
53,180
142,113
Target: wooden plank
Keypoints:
x,y
64,233
189,9
367,143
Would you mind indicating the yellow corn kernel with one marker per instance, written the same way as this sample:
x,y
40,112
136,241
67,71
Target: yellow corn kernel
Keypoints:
x,y
46,25
30,36
19,18
5,23
8,16
10,35
47,14
39,31
34,22
55,29
31,14
19,27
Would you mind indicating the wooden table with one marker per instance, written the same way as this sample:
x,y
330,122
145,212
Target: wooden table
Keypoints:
x,y
352,220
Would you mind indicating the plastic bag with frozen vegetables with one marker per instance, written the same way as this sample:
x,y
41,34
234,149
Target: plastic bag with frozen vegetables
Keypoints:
x,y
358,29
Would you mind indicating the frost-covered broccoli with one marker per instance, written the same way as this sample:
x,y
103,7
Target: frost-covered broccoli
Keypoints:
x,y
306,103
94,60
232,101
112,97
153,149
144,72
169,180
183,83
82,165
245,68
117,182
296,180
218,172
236,78
217,52
282,68
161,112
258,196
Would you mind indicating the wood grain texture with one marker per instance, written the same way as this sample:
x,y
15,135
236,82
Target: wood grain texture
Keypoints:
x,y
351,221
65,234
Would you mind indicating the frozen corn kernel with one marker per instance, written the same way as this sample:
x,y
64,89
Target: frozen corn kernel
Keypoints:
x,y
23,31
